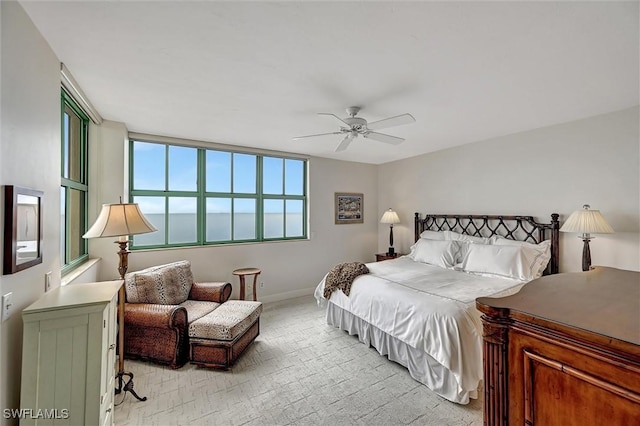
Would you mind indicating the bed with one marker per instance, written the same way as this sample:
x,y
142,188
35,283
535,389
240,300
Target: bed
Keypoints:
x,y
419,309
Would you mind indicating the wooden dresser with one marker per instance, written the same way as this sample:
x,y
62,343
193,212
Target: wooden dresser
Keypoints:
x,y
68,355
565,350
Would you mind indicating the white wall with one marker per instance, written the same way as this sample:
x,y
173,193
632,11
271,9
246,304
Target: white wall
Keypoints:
x,y
289,269
30,147
555,169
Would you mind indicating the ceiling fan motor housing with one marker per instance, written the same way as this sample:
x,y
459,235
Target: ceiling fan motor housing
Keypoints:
x,y
356,123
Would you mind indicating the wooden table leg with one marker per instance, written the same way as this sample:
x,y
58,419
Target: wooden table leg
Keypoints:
x,y
255,279
241,287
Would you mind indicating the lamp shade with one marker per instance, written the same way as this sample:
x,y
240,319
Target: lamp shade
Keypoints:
x,y
390,217
587,221
119,219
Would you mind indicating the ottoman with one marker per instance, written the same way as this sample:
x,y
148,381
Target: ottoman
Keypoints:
x,y
219,338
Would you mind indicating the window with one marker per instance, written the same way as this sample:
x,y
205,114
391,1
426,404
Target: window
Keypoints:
x,y
73,189
198,196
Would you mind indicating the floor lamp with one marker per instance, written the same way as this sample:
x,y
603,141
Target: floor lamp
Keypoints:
x,y
586,222
121,220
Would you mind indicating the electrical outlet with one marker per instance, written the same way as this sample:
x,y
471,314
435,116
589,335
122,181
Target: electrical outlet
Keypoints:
x,y
261,284
7,303
47,281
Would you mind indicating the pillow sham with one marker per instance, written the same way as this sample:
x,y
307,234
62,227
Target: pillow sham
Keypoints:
x,y
541,255
439,253
433,235
508,261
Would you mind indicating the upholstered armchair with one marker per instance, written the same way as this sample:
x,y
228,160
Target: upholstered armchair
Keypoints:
x,y
161,302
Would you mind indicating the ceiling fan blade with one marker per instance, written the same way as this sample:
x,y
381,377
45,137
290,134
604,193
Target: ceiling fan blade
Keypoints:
x,y
333,115
319,134
346,141
381,137
391,121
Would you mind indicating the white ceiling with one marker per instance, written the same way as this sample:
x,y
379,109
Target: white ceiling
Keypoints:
x,y
256,73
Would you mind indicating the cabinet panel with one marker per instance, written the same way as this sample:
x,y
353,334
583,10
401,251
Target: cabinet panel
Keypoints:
x,y
557,393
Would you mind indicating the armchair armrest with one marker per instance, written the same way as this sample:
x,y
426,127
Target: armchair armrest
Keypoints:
x,y
152,315
218,292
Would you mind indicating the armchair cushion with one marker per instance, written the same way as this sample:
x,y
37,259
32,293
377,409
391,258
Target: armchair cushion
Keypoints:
x,y
196,309
168,284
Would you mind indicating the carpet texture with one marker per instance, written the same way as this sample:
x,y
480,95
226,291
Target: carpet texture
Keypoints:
x,y
299,371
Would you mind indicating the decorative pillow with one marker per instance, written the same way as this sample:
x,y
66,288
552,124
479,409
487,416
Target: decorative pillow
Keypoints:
x,y
433,235
508,261
168,284
438,253
541,252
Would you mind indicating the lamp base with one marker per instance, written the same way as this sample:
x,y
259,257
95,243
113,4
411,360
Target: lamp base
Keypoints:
x,y
123,387
128,386
391,251
586,255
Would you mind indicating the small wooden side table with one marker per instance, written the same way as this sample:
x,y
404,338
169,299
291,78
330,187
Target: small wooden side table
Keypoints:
x,y
242,273
384,256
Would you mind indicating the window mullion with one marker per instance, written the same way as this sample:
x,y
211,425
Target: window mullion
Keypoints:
x,y
259,200
201,204
67,231
284,202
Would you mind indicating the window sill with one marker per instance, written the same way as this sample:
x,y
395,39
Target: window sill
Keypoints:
x,y
79,271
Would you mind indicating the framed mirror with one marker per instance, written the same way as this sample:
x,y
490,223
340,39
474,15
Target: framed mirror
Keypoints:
x,y
22,229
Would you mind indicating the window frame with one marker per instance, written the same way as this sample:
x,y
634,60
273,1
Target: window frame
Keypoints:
x,y
202,195
82,185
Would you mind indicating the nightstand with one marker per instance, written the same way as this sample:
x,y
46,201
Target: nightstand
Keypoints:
x,y
384,256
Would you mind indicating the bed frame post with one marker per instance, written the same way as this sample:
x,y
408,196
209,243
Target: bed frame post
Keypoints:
x,y
416,225
555,243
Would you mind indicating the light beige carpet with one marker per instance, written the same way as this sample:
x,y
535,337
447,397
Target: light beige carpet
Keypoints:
x,y
299,371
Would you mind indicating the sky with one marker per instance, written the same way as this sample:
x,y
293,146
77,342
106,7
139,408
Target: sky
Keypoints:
x,y
150,168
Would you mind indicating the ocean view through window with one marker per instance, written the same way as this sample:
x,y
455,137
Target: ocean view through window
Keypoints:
x,y
199,196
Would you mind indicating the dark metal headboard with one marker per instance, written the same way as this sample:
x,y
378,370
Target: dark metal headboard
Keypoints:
x,y
521,228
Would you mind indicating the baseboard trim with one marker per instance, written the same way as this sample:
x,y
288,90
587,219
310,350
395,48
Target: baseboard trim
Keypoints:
x,y
287,295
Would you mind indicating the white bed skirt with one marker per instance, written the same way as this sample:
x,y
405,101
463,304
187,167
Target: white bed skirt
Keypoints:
x,y
421,366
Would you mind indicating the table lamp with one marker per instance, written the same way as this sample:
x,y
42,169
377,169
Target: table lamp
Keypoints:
x,y
586,222
121,220
390,217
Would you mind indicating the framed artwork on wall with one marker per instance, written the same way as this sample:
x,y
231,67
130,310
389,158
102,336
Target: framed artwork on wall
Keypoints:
x,y
349,208
22,229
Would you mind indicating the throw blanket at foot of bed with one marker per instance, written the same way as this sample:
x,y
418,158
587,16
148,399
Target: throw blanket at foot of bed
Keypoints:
x,y
341,277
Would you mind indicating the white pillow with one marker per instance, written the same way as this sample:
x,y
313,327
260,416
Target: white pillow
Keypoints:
x,y
433,235
433,252
454,236
541,252
464,241
509,261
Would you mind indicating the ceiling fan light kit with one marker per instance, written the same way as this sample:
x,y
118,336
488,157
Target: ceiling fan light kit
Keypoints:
x,y
354,126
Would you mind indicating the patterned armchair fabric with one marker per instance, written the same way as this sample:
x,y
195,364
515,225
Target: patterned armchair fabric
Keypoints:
x,y
168,284
161,302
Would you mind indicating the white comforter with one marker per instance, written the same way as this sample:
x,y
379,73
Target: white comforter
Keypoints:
x,y
428,308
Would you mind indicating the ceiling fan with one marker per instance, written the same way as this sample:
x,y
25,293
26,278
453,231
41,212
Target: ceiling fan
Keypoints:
x,y
354,126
